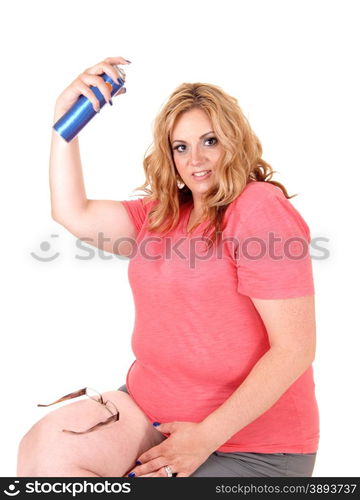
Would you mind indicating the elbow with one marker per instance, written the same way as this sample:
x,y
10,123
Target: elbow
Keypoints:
x,y
306,354
306,357
301,349
56,217
310,351
301,357
301,361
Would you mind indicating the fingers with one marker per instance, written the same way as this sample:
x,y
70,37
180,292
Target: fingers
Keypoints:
x,y
121,91
116,60
108,66
82,86
91,77
159,473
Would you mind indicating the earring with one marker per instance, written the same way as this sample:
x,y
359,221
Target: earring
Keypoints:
x,y
180,184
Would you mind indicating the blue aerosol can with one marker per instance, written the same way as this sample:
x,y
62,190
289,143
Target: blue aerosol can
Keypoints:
x,y
81,112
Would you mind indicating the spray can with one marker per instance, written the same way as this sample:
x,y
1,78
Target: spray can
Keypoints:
x,y
81,112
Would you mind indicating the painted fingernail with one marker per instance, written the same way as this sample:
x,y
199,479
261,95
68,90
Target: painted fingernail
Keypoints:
x,y
138,462
128,61
155,424
132,474
119,81
110,102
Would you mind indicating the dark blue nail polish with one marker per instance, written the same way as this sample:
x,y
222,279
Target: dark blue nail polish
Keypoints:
x,y
128,61
138,462
132,474
155,424
110,102
119,82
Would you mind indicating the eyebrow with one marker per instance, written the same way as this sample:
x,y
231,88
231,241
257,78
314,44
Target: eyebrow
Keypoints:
x,y
210,132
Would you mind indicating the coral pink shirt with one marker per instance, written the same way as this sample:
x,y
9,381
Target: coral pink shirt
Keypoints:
x,y
197,334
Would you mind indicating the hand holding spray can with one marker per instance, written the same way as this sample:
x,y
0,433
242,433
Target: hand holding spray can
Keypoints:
x,y
82,111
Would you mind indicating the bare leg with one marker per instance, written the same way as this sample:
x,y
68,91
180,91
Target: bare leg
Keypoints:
x,y
109,451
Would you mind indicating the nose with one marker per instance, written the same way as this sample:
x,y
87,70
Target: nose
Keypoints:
x,y
196,157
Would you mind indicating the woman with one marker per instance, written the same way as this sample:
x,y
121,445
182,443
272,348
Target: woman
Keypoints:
x,y
224,335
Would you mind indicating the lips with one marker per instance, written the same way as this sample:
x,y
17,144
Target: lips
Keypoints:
x,y
201,172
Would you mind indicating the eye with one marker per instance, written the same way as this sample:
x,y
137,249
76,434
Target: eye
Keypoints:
x,y
179,146
212,139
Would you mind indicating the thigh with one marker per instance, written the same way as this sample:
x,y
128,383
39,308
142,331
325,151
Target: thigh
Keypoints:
x,y
241,464
110,450
221,464
301,465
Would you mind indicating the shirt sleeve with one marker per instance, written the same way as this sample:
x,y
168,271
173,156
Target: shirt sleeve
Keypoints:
x,y
137,211
273,259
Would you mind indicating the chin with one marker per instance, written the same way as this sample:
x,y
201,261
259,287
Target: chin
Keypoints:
x,y
200,189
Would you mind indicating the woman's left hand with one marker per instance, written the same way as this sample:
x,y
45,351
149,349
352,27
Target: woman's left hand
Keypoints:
x,y
184,451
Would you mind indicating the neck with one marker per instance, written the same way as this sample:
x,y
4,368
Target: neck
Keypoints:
x,y
197,206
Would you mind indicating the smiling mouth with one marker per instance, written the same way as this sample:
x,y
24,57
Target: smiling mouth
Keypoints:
x,y
204,173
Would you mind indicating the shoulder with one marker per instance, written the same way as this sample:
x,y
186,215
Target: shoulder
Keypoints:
x,y
261,206
147,204
138,209
142,204
255,196
256,193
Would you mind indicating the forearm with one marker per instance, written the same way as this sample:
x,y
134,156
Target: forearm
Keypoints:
x,y
270,377
67,188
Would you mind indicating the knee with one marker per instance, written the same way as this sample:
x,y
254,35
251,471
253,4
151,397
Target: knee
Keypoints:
x,y
23,455
30,449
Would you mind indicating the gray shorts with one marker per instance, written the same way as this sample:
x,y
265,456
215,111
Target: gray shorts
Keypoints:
x,y
241,464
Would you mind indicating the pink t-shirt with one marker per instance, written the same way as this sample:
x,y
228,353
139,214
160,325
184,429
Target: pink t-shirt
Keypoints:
x,y
197,334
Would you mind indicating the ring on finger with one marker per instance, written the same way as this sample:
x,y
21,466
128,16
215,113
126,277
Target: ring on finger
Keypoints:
x,y
168,470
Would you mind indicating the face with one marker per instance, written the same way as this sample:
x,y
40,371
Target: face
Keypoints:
x,y
195,149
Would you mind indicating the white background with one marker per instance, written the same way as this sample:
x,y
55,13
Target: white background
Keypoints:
x,y
292,65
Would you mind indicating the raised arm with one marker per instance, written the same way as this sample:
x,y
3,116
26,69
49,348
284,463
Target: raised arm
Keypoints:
x,y
70,206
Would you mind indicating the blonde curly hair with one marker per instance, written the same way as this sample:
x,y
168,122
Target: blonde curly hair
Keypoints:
x,y
240,163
